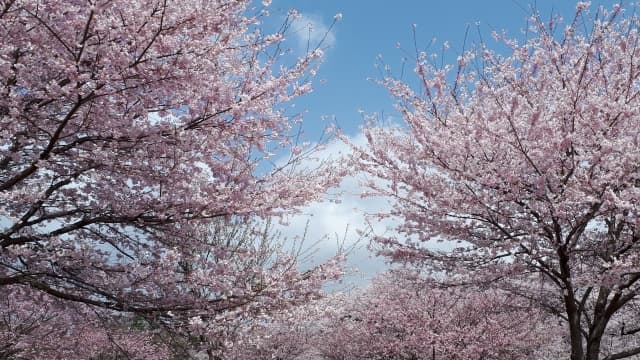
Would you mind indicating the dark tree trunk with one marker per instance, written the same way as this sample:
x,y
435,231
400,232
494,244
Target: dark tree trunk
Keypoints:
x,y
577,351
593,348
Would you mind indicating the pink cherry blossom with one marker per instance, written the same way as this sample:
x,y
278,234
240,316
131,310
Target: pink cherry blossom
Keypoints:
x,y
405,316
129,130
520,172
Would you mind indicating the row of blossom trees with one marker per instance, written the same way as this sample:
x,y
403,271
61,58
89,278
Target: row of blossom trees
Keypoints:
x,y
405,316
515,180
135,146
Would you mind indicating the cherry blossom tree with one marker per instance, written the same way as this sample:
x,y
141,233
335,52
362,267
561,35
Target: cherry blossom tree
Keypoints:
x,y
35,326
520,171
292,334
126,127
260,259
405,316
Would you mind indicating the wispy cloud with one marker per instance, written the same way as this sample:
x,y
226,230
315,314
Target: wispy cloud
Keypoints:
x,y
330,222
310,30
332,225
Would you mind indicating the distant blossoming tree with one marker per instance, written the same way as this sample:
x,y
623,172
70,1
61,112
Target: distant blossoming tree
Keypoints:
x,y
405,316
527,167
34,325
127,126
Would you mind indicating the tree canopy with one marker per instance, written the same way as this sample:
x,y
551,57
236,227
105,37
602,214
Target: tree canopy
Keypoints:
x,y
526,164
128,127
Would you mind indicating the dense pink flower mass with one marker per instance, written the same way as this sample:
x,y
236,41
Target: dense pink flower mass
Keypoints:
x,y
126,127
526,165
406,317
137,180
37,326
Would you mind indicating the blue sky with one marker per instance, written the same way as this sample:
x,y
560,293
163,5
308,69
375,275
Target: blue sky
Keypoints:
x,y
344,84
374,27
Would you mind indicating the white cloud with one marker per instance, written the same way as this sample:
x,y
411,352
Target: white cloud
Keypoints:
x,y
309,30
331,225
328,223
